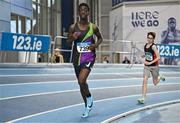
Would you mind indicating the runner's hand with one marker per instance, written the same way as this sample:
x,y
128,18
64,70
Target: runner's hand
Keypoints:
x,y
93,46
147,63
76,35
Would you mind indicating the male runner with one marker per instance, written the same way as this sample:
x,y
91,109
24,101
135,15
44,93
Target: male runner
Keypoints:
x,y
150,65
82,35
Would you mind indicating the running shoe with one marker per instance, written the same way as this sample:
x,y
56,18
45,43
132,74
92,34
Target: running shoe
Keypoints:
x,y
141,100
89,102
86,112
162,78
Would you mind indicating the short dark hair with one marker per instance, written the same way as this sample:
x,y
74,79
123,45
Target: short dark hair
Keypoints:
x,y
152,33
83,4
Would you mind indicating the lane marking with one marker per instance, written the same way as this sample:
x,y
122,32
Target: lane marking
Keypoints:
x,y
107,99
49,82
98,73
72,81
75,90
117,117
63,74
70,68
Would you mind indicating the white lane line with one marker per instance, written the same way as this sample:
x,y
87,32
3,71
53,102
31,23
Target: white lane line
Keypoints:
x,y
35,69
57,82
117,117
72,81
75,90
68,74
107,99
65,74
70,68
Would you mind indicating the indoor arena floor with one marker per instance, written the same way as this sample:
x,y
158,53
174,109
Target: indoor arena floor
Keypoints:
x,y
50,93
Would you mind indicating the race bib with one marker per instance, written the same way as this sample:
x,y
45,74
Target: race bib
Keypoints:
x,y
83,47
148,56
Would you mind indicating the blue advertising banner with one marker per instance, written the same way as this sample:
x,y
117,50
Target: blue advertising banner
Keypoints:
x,y
24,42
172,51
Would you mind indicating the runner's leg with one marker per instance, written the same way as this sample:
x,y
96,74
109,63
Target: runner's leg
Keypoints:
x,y
84,73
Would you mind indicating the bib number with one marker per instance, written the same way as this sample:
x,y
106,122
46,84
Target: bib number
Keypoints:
x,y
149,56
83,47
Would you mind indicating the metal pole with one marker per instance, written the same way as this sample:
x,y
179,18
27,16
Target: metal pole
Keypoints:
x,y
71,52
49,52
4,58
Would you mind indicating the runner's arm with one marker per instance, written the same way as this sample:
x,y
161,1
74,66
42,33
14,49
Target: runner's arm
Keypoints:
x,y
72,35
99,37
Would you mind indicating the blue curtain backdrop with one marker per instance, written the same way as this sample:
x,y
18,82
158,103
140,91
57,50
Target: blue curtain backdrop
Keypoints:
x,y
67,19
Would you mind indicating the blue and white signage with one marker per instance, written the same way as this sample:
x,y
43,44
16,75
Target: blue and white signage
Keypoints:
x,y
132,22
24,42
169,50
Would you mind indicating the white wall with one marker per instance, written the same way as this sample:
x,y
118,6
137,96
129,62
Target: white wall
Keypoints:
x,y
158,14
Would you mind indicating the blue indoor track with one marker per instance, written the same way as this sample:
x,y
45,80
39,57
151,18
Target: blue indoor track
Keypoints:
x,y
50,93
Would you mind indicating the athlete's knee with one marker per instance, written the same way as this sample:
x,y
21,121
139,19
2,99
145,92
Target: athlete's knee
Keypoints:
x,y
81,80
155,82
145,80
83,85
